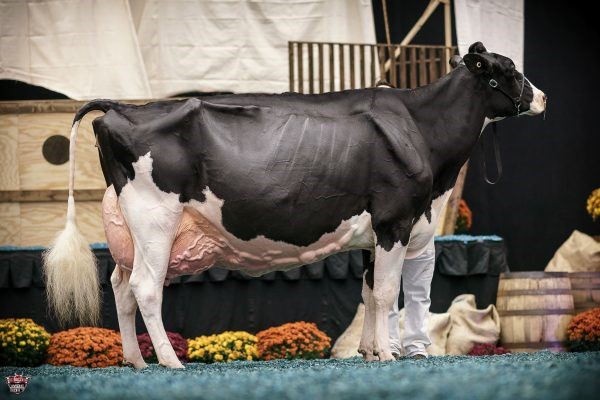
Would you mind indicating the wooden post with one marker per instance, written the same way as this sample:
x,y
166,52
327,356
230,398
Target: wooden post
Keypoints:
x,y
342,65
422,67
291,64
321,63
300,68
351,60
331,68
451,213
413,67
447,32
363,71
373,55
415,29
311,69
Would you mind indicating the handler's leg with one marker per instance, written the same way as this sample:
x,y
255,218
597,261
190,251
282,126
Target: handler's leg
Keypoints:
x,y
126,307
394,330
416,282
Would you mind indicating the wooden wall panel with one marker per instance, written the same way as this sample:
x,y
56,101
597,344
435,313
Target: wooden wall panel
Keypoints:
x,y
25,174
40,222
10,224
37,173
9,162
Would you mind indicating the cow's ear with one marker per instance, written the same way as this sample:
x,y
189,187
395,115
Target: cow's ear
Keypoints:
x,y
477,63
477,47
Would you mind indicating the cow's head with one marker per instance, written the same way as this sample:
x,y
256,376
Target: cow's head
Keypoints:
x,y
510,92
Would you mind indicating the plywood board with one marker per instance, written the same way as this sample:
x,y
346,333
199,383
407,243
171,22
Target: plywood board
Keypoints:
x,y
9,143
10,224
40,222
37,173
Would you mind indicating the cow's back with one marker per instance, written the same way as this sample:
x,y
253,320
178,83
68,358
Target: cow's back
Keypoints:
x,y
287,167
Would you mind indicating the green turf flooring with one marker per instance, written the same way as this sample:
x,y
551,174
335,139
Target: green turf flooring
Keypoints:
x,y
542,375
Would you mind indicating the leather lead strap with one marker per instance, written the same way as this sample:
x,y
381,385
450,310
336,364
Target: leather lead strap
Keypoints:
x,y
496,154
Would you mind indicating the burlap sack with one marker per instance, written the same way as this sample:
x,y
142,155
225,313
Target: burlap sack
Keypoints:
x,y
580,253
346,345
470,325
438,326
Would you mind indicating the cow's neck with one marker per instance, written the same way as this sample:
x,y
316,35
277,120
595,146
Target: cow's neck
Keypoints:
x,y
450,114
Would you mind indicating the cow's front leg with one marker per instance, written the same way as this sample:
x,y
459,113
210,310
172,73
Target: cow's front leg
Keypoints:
x,y
368,331
386,287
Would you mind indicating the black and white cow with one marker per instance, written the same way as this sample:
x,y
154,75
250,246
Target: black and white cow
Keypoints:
x,y
271,182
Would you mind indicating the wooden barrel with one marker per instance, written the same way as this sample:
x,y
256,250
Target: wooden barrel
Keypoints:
x,y
535,309
585,288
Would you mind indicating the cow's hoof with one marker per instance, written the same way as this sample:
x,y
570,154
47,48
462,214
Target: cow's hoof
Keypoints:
x,y
175,365
368,355
418,357
139,364
385,356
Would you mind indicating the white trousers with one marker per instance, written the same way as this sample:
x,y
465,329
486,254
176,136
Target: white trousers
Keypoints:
x,y
416,283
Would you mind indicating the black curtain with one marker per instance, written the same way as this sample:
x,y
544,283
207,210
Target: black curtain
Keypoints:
x,y
551,166
326,293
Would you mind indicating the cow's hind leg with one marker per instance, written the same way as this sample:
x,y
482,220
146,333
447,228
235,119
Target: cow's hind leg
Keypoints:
x,y
153,217
147,281
126,307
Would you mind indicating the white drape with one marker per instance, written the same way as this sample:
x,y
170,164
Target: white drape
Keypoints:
x,y
84,49
128,49
498,24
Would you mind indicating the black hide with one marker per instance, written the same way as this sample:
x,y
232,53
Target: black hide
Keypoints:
x,y
291,167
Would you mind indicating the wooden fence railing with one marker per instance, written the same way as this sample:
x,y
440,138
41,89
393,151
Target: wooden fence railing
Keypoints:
x,y
318,67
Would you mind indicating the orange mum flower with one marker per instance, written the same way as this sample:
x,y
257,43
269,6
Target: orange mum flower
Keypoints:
x,y
583,331
293,340
86,347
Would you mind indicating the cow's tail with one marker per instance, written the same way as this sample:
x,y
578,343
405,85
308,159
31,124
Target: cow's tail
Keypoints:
x,y
72,284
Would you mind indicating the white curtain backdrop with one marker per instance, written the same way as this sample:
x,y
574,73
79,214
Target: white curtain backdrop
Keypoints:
x,y
498,24
131,49
83,49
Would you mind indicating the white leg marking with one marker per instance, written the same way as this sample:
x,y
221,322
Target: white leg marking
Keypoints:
x,y
126,307
386,287
153,217
416,282
368,331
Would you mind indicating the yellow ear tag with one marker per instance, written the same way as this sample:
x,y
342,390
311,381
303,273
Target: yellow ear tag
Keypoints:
x,y
478,64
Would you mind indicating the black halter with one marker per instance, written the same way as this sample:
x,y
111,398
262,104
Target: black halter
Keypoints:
x,y
515,100
517,103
